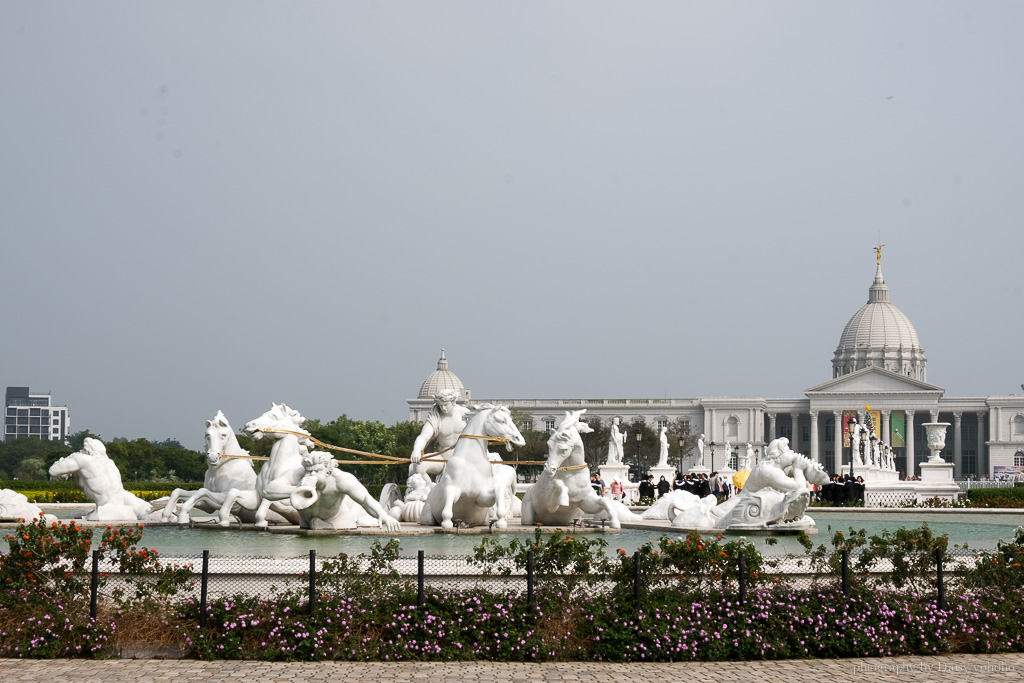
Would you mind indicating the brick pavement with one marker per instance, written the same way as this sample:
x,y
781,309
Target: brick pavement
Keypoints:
x,y
975,668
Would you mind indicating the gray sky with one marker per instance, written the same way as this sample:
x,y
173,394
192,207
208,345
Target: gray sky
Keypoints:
x,y
218,205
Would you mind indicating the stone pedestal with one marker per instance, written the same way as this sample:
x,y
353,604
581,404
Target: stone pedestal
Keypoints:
x,y
668,472
937,482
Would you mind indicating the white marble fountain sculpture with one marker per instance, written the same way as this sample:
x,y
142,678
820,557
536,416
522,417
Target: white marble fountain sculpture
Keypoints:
x,y
229,473
775,496
14,506
468,488
330,498
563,489
98,476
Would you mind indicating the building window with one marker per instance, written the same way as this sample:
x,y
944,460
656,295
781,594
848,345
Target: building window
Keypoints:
x,y
806,432
968,462
970,432
528,425
1018,459
662,423
549,424
830,430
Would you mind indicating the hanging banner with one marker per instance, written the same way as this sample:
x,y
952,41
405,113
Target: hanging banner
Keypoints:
x,y
847,416
898,428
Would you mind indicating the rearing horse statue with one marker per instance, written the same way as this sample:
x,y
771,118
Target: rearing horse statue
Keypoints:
x,y
283,471
467,488
563,489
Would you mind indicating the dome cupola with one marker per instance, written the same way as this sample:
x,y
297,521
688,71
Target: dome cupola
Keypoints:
x,y
880,335
442,379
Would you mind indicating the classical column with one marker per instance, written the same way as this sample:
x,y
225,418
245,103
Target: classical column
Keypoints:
x,y
814,436
982,454
910,443
794,439
772,433
837,436
958,454
885,435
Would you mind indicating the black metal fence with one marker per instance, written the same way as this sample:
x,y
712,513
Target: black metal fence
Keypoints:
x,y
223,577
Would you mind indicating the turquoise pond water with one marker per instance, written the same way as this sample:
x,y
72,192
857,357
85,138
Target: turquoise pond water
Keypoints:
x,y
977,530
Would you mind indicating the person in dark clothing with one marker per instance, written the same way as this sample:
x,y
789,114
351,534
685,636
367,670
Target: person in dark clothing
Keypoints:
x,y
663,487
646,488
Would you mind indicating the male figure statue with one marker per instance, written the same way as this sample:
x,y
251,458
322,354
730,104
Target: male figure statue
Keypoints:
x,y
616,439
443,426
698,460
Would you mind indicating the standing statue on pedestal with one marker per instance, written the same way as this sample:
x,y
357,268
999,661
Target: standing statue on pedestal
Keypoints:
x,y
663,453
698,452
746,460
444,424
616,440
728,454
854,428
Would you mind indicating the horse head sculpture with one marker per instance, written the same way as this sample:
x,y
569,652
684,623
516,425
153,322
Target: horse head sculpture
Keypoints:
x,y
279,417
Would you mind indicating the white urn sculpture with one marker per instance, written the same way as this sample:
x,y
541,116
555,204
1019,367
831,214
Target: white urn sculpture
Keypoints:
x,y
935,434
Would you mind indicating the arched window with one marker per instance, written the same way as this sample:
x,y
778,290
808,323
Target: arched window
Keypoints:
x,y
1018,459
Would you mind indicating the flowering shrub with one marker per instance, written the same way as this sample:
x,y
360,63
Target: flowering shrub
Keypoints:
x,y
44,561
690,609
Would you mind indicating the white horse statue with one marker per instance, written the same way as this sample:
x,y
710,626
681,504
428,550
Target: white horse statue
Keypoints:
x,y
564,489
283,472
330,498
467,488
228,468
98,476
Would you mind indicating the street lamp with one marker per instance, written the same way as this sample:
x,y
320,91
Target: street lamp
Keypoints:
x,y
682,441
757,456
638,433
712,447
735,458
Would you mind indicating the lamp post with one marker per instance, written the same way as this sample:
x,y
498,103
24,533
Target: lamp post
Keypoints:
x,y
712,447
638,433
757,456
682,441
735,458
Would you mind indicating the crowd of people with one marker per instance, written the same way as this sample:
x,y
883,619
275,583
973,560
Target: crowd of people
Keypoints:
x,y
841,490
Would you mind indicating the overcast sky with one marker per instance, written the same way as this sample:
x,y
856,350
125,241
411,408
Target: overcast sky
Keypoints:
x,y
219,205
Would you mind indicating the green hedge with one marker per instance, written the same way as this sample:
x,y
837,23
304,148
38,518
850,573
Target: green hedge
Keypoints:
x,y
68,491
996,498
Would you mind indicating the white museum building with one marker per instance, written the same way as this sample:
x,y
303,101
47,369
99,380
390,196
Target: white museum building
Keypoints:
x,y
879,363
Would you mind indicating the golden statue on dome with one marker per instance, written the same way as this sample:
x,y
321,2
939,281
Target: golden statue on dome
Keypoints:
x,y
878,253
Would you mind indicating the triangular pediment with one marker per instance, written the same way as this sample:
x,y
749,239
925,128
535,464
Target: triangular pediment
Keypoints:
x,y
874,380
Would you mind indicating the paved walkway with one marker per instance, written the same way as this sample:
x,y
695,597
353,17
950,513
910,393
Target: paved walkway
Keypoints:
x,y
975,668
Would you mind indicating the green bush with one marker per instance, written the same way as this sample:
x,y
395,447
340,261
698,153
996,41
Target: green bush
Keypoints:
x,y
996,498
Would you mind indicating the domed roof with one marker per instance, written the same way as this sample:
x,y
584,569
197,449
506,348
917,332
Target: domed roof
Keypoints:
x,y
440,380
879,334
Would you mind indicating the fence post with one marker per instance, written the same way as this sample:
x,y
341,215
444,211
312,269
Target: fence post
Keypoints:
x,y
202,588
312,582
94,586
419,578
743,579
939,576
636,579
846,571
529,578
